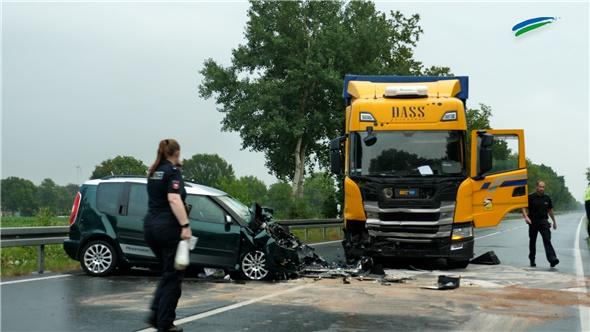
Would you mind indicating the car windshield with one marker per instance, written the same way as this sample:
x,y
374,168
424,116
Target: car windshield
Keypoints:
x,y
407,153
236,206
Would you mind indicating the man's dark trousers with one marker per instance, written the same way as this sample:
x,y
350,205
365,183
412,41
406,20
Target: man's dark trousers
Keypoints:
x,y
543,227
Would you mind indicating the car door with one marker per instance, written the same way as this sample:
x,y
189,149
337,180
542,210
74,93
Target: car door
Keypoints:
x,y
130,223
498,178
219,241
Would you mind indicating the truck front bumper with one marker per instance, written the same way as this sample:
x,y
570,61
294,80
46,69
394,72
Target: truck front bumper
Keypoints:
x,y
437,248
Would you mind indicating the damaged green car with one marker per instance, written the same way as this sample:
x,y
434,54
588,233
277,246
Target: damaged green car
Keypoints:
x,y
106,232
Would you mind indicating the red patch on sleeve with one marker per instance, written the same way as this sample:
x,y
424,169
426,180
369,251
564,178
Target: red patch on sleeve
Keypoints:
x,y
175,185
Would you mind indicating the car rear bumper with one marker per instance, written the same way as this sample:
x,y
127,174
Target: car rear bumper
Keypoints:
x,y
71,247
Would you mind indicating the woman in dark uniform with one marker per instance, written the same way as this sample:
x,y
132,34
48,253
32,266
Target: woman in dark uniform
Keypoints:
x,y
164,226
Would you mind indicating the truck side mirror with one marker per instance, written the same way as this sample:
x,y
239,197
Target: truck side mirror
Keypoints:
x,y
485,153
336,155
370,139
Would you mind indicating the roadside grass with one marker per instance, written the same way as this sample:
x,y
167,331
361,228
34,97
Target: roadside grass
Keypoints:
x,y
33,221
315,235
16,261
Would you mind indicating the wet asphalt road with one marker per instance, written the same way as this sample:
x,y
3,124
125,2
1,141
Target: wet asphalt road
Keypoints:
x,y
510,296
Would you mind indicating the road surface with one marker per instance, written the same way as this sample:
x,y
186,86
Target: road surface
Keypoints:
x,y
510,296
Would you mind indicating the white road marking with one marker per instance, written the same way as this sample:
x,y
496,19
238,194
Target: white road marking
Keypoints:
x,y
33,279
584,310
229,307
322,243
500,232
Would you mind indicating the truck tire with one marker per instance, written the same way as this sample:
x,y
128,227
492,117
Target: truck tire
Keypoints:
x,y
98,258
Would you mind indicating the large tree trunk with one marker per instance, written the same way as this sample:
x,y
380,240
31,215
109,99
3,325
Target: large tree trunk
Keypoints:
x,y
299,168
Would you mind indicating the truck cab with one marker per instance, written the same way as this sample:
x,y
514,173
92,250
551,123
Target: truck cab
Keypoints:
x,y
416,182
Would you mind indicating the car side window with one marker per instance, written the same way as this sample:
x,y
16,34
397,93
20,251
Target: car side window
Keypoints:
x,y
204,209
138,200
108,197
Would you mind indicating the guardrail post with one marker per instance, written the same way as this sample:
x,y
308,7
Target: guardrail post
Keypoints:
x,y
41,258
305,235
324,233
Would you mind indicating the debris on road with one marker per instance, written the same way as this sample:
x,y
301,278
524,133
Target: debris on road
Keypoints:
x,y
489,258
445,283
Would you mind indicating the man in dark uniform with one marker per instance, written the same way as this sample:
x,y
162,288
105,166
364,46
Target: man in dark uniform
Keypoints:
x,y
540,207
165,224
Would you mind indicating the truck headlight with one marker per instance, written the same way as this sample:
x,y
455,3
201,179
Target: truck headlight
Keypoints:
x,y
462,232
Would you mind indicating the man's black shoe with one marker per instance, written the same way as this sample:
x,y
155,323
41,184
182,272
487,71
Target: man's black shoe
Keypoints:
x,y
533,264
554,263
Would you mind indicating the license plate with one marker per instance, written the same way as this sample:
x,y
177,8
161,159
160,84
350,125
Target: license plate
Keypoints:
x,y
406,193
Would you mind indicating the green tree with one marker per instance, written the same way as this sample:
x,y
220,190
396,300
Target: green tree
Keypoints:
x,y
48,196
588,174
319,192
554,186
207,169
479,119
283,89
120,165
280,200
247,189
19,196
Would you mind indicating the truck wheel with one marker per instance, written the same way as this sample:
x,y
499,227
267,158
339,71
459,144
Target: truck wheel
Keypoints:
x,y
253,265
98,258
457,264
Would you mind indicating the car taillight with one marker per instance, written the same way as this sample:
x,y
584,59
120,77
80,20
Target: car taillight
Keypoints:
x,y
75,207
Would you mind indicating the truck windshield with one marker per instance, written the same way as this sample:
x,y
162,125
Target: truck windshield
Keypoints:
x,y
407,153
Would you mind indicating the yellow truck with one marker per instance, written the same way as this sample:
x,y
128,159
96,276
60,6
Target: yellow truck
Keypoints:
x,y
416,182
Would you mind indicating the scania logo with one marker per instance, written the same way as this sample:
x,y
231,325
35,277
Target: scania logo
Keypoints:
x,y
411,112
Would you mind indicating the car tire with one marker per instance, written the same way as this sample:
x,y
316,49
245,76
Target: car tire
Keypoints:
x,y
98,258
457,264
254,265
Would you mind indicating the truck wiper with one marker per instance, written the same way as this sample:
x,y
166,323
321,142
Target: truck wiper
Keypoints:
x,y
385,175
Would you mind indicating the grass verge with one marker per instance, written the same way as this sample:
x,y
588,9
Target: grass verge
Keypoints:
x,y
16,261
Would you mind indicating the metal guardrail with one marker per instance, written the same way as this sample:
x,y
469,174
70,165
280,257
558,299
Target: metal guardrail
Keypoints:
x,y
41,236
308,224
33,236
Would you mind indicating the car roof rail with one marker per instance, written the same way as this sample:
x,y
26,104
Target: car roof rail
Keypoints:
x,y
122,176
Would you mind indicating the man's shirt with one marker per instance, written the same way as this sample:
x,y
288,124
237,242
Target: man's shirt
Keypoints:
x,y
539,206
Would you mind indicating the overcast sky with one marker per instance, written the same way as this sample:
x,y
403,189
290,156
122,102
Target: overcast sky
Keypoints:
x,y
83,82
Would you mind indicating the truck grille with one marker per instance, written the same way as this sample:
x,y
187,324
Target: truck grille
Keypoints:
x,y
407,216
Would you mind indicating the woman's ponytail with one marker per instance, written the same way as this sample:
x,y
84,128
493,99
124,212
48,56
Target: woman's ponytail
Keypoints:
x,y
166,148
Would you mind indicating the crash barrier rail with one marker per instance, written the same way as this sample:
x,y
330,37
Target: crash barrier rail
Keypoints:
x,y
33,236
41,236
307,224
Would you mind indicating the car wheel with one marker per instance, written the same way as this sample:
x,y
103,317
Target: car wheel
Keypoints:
x,y
99,258
457,264
254,266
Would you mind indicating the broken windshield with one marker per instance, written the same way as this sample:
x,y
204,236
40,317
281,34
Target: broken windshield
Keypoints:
x,y
407,153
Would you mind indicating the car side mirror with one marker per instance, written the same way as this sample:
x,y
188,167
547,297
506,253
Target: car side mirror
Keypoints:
x,y
336,155
485,156
228,219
